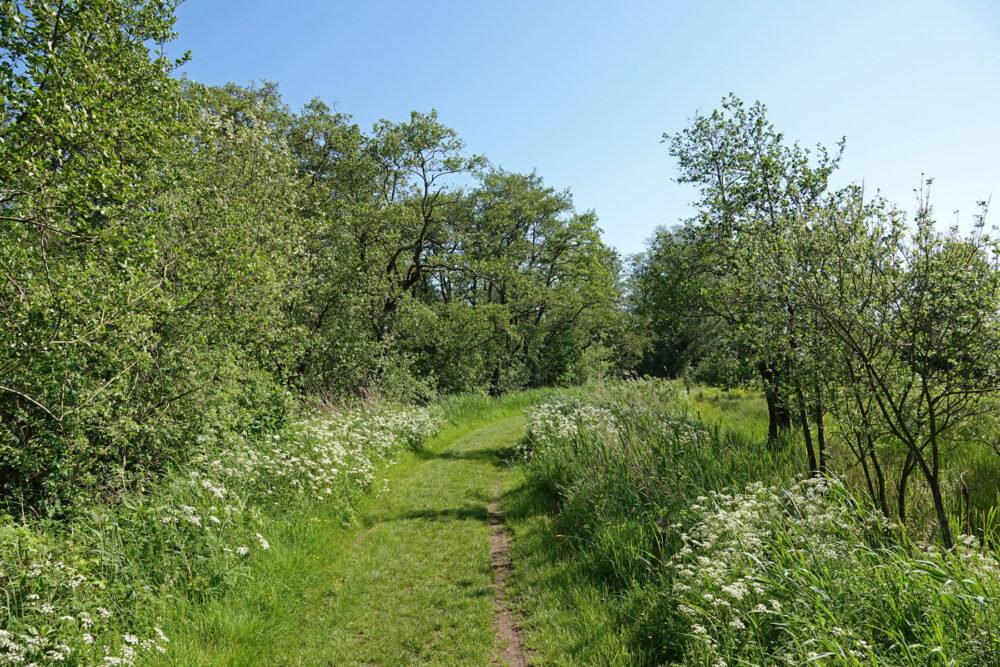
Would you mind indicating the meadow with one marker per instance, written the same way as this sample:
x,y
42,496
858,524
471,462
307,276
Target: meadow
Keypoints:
x,y
651,522
258,364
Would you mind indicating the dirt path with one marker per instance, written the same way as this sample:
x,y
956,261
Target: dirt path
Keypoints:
x,y
423,582
509,649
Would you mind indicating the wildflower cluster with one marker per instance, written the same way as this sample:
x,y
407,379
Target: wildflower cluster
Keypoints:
x,y
318,456
52,615
748,563
560,420
806,573
194,532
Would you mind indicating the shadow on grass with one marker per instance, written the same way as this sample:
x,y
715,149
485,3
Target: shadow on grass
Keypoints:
x,y
525,501
557,569
498,456
477,513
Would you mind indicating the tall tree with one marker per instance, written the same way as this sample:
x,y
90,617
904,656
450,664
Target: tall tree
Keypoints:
x,y
752,185
89,116
912,320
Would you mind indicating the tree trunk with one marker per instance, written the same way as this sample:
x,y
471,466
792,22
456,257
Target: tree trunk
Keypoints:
x,y
779,417
495,382
807,432
820,430
933,477
862,457
935,484
904,475
879,477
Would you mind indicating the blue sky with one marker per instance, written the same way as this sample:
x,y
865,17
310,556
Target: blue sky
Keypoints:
x,y
582,91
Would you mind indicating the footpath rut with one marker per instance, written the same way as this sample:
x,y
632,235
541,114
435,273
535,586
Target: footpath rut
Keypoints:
x,y
424,581
509,645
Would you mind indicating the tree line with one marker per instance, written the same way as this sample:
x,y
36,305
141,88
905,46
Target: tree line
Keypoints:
x,y
180,261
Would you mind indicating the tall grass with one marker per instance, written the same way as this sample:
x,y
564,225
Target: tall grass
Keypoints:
x,y
681,497
634,459
471,408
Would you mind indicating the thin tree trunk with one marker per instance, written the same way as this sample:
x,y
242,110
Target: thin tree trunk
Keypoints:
x,y
904,476
779,418
807,432
879,477
933,477
863,460
935,484
820,430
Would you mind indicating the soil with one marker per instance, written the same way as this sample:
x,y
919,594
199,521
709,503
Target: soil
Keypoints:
x,y
509,649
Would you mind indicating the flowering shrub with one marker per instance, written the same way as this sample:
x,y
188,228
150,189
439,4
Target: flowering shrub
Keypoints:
x,y
68,596
320,455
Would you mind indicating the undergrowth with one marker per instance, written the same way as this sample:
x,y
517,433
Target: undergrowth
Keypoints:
x,y
87,591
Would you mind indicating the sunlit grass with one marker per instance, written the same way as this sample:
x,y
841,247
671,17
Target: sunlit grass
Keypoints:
x,y
680,502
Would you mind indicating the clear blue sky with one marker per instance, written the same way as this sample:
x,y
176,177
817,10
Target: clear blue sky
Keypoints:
x,y
582,91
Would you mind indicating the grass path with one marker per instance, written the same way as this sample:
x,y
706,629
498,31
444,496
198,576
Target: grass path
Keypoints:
x,y
416,586
412,583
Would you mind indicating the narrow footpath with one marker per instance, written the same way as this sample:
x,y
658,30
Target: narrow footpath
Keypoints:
x,y
423,580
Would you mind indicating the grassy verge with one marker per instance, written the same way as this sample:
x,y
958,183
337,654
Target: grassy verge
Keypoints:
x,y
98,587
648,530
584,516
216,554
570,616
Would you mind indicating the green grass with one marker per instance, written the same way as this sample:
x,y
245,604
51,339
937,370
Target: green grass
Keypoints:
x,y
408,581
570,617
583,515
397,571
218,558
652,527
738,411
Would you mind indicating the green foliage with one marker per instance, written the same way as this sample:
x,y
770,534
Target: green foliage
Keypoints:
x,y
632,454
180,261
839,308
731,268
665,298
77,590
85,107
